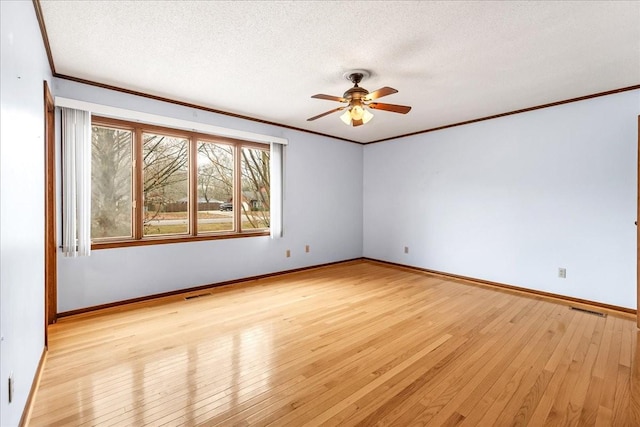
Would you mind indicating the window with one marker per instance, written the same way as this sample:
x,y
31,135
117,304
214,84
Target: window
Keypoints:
x,y
165,177
255,188
159,185
215,186
111,182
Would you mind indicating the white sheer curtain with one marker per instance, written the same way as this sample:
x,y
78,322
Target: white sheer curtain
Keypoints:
x,y
277,190
76,182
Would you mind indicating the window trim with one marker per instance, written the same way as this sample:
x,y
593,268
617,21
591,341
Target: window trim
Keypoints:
x,y
192,137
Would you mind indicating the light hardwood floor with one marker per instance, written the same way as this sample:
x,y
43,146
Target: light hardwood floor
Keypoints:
x,y
357,343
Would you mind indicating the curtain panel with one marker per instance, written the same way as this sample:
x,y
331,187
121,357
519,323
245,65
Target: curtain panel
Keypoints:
x,y
277,189
76,182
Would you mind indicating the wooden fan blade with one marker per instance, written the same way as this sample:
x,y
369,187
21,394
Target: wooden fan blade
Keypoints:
x,y
356,122
384,91
326,113
329,97
402,109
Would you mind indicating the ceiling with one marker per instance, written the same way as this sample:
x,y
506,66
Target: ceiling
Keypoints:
x,y
451,61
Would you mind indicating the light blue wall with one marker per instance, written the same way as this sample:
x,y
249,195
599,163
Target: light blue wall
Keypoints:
x,y
508,200
24,68
513,199
322,209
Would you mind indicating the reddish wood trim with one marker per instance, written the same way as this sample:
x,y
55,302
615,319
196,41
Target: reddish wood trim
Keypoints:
x,y
556,297
199,107
187,291
237,189
26,412
138,186
137,238
163,240
524,110
50,224
467,280
240,116
45,36
178,133
193,205
638,235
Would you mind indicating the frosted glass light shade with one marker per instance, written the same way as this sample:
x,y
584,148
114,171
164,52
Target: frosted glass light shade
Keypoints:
x,y
356,113
366,116
346,117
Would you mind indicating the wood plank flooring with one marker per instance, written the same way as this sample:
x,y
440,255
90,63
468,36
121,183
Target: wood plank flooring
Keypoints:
x,y
357,343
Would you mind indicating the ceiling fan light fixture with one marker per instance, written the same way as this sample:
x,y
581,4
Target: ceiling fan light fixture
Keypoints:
x,y
357,101
346,117
366,116
356,113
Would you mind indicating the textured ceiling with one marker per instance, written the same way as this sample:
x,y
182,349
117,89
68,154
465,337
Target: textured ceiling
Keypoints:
x,y
451,61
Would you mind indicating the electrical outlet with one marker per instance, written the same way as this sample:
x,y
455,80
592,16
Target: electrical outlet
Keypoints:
x,y
406,249
288,253
562,273
306,248
11,387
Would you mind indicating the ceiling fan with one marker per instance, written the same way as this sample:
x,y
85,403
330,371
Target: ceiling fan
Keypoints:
x,y
358,100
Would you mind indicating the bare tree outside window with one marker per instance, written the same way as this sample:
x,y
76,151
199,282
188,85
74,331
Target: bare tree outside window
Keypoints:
x,y
255,188
142,188
215,186
111,180
166,184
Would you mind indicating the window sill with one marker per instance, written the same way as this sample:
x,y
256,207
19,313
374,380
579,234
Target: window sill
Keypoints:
x,y
174,239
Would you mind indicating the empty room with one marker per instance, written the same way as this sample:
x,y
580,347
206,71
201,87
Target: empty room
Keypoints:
x,y
314,213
